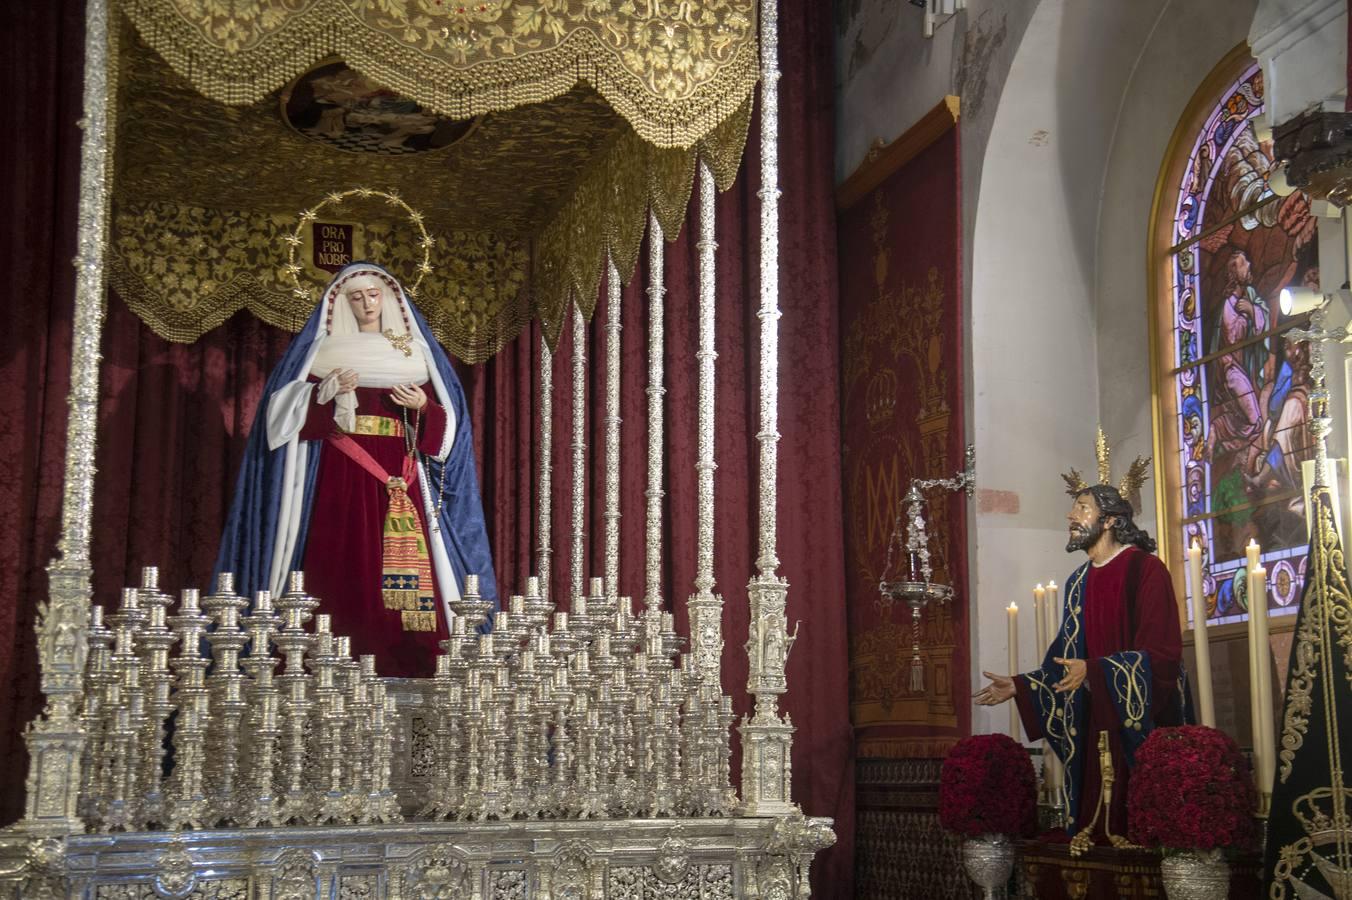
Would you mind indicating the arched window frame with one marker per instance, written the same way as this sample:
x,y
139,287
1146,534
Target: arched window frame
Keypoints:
x,y
1161,250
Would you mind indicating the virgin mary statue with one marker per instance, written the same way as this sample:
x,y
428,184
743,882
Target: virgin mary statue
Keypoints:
x,y
359,471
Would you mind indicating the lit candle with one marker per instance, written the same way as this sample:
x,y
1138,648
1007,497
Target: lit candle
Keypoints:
x,y
1013,610
1264,736
1040,618
1205,699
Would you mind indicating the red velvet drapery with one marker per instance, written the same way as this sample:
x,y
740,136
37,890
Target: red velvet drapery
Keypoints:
x,y
174,418
39,174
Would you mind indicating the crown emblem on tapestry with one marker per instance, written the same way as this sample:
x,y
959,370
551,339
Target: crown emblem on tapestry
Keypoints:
x,y
1131,482
881,399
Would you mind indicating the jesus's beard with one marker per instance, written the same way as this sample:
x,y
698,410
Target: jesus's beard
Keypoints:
x,y
1082,537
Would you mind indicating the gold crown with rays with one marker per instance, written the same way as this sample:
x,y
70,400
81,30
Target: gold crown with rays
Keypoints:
x,y
1127,487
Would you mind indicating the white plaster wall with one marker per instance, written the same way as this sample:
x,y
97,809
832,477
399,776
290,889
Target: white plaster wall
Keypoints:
x,y
1188,42
1302,45
1036,334
1067,106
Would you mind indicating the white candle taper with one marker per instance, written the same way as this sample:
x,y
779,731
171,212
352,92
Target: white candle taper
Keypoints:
x,y
1040,618
1013,610
1265,740
1205,699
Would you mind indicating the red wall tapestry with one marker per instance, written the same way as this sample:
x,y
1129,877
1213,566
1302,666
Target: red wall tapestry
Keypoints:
x,y
902,418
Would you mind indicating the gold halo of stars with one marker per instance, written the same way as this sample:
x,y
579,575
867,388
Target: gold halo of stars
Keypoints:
x,y
294,240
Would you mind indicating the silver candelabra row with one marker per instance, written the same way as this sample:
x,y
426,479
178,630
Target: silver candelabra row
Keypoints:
x,y
216,735
587,713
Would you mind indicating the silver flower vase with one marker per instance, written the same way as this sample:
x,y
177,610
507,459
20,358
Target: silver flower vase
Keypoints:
x,y
1195,875
989,860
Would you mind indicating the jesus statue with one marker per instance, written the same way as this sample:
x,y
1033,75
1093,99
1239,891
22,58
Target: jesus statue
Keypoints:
x,y
1114,666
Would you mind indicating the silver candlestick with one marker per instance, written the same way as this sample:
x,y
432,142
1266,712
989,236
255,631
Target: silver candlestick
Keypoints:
x,y
226,684
187,798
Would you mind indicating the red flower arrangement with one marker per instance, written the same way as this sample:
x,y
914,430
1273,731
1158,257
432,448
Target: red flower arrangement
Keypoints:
x,y
1191,789
987,786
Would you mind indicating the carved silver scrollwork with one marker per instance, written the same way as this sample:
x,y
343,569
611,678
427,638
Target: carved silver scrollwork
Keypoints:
x,y
297,876
435,873
509,884
175,875
673,858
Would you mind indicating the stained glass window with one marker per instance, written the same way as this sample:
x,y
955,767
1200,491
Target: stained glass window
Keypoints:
x,y
1241,388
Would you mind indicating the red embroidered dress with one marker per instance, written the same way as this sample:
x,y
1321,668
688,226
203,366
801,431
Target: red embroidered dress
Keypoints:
x,y
343,558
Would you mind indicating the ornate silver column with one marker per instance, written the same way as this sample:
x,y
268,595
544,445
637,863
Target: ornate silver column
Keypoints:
x,y
612,516
767,737
546,479
706,607
652,597
56,740
579,450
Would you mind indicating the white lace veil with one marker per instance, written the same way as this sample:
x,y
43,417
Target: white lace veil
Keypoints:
x,y
341,319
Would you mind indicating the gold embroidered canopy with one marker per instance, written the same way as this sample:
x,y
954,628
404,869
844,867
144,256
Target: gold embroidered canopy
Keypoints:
x,y
672,68
212,168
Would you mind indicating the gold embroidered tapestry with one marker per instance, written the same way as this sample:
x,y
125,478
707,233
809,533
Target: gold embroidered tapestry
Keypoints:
x,y
901,400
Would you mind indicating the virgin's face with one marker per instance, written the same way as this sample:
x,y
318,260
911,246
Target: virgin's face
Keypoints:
x,y
365,294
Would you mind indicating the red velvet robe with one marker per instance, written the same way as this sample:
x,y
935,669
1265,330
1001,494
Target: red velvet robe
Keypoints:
x,y
1112,626
342,561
